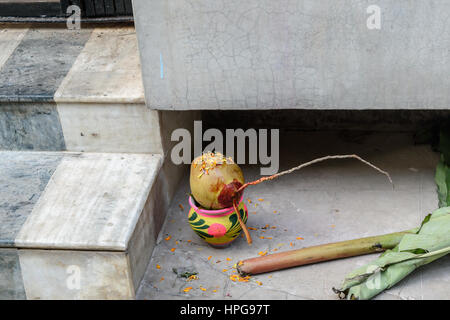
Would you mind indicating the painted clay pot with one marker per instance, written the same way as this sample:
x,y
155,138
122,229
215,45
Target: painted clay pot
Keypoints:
x,y
219,228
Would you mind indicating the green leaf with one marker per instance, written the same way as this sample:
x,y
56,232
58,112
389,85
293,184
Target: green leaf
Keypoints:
x,y
442,179
431,242
414,250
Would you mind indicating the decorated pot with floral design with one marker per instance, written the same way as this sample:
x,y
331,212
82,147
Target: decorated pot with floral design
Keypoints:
x,y
217,227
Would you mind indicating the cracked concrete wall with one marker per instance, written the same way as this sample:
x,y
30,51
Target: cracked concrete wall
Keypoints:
x,y
294,54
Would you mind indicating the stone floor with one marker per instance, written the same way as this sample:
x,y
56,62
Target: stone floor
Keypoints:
x,y
328,202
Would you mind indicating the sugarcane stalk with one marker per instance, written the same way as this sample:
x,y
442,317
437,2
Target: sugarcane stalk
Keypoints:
x,y
320,253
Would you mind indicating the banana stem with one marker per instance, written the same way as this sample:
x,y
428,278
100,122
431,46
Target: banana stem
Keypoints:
x,y
320,253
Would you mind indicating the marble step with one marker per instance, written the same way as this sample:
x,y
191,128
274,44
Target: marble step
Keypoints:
x,y
74,90
77,225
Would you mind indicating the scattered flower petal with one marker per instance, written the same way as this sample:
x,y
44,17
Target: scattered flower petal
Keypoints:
x,y
192,277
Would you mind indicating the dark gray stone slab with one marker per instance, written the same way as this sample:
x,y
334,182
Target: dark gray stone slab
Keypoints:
x,y
23,178
30,127
40,62
11,283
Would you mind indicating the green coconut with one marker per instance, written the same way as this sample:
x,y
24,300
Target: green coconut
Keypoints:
x,y
215,181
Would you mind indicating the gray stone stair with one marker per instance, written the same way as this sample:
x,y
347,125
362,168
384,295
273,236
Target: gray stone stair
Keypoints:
x,y
89,212
84,180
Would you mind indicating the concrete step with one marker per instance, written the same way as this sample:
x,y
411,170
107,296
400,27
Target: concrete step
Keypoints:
x,y
68,215
304,54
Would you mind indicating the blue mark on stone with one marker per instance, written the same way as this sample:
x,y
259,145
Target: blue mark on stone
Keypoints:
x,y
161,66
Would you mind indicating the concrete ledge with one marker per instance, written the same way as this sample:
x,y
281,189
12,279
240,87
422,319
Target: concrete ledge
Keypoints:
x,y
301,54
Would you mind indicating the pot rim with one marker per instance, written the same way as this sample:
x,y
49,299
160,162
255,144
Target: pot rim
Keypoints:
x,y
212,212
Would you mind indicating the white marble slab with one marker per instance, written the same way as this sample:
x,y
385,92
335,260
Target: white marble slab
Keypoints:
x,y
74,275
9,40
92,202
107,70
110,127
